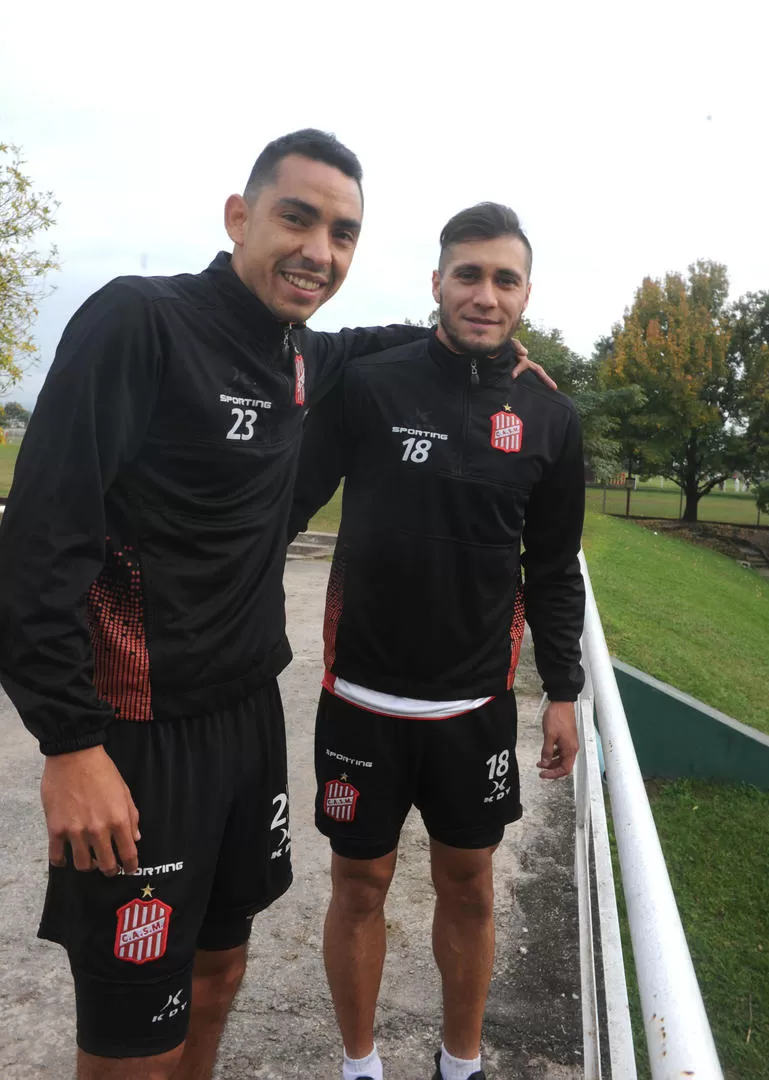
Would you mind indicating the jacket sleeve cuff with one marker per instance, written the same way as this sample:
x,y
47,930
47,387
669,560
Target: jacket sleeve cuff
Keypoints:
x,y
54,747
562,693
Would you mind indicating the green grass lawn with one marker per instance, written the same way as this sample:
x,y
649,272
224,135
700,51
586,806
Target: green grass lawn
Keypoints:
x,y
716,844
327,518
8,455
683,614
649,501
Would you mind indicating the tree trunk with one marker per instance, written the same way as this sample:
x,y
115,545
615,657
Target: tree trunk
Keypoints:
x,y
692,502
690,479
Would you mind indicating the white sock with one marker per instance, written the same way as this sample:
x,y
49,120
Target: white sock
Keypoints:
x,y
353,1068
457,1068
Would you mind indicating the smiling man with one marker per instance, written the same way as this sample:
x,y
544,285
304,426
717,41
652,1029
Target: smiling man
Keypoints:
x,y
449,466
295,238
142,623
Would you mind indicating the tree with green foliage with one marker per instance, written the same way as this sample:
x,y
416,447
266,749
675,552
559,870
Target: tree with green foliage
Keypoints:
x,y
762,497
14,415
673,346
598,405
24,214
749,357
432,320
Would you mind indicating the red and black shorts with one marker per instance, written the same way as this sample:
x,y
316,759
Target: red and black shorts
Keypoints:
x,y
461,773
212,795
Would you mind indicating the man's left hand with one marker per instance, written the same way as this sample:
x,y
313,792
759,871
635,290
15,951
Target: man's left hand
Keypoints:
x,y
524,364
561,743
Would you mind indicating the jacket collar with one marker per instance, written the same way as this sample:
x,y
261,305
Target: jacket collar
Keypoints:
x,y
458,365
239,300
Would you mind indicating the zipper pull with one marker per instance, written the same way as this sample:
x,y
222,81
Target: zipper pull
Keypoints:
x,y
286,350
474,380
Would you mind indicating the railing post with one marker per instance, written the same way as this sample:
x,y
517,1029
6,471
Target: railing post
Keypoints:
x,y
591,1043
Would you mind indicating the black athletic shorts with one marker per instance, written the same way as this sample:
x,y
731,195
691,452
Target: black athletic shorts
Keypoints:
x,y
212,796
461,773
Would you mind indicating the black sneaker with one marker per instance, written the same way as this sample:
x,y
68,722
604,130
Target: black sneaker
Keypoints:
x,y
438,1076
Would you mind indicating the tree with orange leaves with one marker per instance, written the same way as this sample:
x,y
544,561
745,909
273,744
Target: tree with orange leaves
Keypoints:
x,y
673,345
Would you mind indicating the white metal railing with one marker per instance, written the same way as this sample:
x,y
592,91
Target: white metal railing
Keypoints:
x,y
677,1031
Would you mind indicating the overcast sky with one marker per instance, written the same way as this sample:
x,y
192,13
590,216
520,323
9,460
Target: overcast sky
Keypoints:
x,y
629,136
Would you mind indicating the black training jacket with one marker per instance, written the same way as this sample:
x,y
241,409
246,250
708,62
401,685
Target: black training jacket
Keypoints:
x,y
142,548
447,472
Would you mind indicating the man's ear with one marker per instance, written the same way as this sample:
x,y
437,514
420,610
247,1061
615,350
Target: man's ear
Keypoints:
x,y
437,286
236,219
526,301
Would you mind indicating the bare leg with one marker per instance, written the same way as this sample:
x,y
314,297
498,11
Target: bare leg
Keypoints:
x,y
463,941
215,981
160,1067
354,945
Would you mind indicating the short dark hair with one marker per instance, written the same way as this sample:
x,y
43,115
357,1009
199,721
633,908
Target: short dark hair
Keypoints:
x,y
310,143
485,221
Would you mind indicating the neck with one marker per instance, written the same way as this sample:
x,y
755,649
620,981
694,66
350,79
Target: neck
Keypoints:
x,y
237,268
440,333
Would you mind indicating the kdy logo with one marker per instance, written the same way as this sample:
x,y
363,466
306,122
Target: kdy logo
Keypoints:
x,y
172,1007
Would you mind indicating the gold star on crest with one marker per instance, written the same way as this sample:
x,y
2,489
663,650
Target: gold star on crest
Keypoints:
x,y
343,776
507,408
147,892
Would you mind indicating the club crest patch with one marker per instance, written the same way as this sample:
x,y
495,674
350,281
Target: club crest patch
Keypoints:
x,y
339,800
299,388
506,432
142,931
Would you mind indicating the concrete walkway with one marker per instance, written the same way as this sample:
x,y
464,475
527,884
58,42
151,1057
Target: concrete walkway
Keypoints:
x,y
283,1027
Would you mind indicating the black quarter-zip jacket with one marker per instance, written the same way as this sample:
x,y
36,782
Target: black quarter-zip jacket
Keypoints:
x,y
142,548
450,466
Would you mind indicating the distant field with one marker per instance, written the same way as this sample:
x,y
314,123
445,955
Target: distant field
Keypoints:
x,y
735,509
8,455
650,502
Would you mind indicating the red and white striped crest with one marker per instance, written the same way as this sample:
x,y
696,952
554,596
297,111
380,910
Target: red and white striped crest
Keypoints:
x,y
339,800
299,368
142,930
506,432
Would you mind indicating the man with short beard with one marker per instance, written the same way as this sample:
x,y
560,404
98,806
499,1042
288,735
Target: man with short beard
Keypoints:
x,y
142,622
449,466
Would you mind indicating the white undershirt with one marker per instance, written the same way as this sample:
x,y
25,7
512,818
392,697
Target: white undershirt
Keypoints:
x,y
392,705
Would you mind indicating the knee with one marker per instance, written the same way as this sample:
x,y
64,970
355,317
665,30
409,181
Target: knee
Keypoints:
x,y
468,891
164,1065
217,976
157,1067
360,891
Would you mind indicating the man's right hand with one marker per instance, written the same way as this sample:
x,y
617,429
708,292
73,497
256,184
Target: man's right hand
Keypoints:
x,y
88,805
